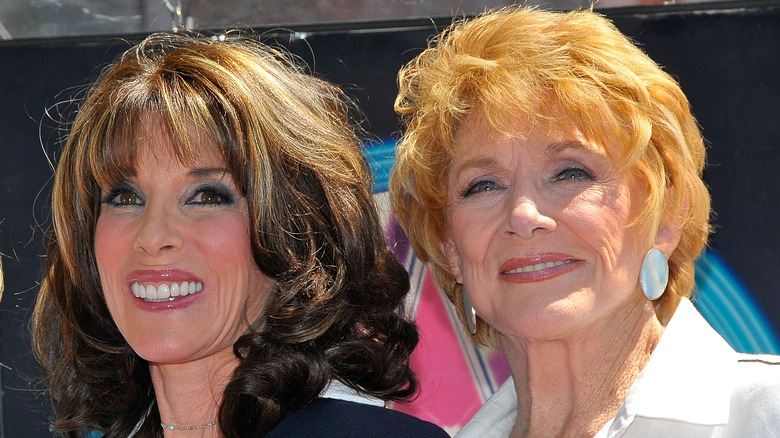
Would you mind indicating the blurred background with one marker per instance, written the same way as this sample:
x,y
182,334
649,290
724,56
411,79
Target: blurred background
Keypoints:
x,y
57,18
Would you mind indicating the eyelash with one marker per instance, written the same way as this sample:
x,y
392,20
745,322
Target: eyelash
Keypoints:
x,y
223,196
567,174
226,197
472,187
122,189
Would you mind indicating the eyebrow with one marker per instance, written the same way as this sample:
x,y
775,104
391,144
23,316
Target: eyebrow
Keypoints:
x,y
550,150
558,147
478,163
199,172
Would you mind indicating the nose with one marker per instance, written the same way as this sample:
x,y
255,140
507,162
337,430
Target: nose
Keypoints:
x,y
157,231
524,218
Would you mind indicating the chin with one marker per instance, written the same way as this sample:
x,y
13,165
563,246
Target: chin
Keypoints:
x,y
163,353
549,321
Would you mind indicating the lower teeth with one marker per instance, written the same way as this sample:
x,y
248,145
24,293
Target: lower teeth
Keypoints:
x,y
159,300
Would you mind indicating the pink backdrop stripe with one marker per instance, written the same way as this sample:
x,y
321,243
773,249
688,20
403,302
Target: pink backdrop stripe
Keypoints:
x,y
456,377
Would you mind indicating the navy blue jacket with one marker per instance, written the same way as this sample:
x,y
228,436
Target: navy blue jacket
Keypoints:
x,y
330,418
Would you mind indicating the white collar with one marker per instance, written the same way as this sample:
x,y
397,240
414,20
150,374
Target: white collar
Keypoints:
x,y
339,391
496,417
676,383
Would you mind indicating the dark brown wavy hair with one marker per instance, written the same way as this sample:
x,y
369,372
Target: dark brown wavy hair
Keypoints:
x,y
291,147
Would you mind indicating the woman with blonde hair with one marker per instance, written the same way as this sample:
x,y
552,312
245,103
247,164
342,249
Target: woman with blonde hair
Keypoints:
x,y
550,175
216,265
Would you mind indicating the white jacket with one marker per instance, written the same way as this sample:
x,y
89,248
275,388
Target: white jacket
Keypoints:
x,y
694,385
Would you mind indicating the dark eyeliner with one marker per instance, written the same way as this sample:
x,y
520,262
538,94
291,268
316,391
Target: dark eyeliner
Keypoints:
x,y
587,174
226,195
117,190
470,188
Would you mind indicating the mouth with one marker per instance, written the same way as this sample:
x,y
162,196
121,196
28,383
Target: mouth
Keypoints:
x,y
541,267
165,292
538,267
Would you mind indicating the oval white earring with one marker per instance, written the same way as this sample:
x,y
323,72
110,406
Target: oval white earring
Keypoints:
x,y
654,274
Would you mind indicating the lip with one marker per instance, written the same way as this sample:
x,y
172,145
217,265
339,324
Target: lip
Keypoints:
x,y
557,264
156,278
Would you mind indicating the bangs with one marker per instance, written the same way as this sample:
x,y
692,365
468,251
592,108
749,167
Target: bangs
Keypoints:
x,y
553,78
606,131
605,114
172,111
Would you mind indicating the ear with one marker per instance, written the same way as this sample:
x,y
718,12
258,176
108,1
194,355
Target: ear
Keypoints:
x,y
670,229
453,259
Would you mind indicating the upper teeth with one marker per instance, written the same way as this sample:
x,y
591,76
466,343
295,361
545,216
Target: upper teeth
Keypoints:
x,y
165,292
538,267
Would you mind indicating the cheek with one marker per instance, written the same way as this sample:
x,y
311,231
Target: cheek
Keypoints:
x,y
111,244
605,229
230,253
226,248
599,216
461,250
471,230
111,249
227,240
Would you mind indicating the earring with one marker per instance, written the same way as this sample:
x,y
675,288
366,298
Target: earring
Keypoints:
x,y
471,314
654,274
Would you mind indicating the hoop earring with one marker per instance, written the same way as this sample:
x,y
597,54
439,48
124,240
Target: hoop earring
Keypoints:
x,y
654,274
471,314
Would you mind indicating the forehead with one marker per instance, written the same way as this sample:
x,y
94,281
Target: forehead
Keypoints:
x,y
150,141
478,134
156,157
154,141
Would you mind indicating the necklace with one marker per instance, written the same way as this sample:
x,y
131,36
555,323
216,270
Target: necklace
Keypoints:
x,y
190,427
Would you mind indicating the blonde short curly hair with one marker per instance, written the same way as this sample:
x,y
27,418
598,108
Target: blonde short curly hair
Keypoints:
x,y
548,66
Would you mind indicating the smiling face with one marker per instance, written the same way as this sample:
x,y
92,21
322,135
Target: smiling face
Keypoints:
x,y
539,230
173,251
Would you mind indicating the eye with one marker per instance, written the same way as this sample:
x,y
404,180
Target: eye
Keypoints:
x,y
122,195
212,195
573,174
479,186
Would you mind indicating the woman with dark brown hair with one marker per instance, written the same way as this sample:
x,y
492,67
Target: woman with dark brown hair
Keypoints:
x,y
216,264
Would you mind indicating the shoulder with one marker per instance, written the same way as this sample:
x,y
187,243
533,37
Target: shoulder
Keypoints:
x,y
756,394
757,381
338,418
757,375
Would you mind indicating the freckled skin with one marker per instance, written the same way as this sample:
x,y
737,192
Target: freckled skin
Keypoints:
x,y
551,197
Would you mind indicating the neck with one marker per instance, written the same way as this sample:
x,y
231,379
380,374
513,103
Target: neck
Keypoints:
x,y
572,386
189,394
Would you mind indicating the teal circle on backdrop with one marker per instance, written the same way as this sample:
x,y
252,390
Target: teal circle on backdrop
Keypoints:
x,y
729,307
